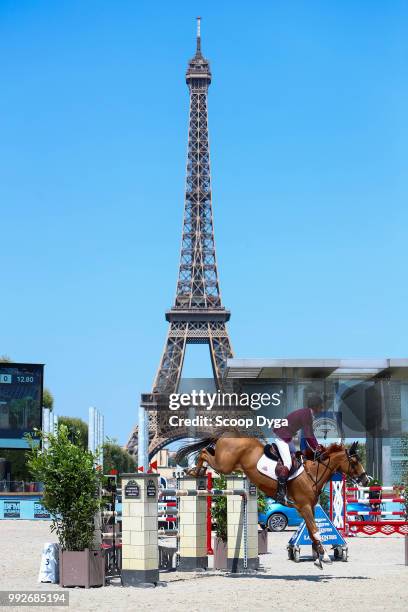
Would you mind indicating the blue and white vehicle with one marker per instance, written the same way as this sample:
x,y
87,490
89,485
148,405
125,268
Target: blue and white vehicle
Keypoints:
x,y
277,517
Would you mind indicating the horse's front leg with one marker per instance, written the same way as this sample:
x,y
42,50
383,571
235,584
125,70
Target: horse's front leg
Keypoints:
x,y
322,555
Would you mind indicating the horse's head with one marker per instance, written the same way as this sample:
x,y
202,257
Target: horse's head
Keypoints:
x,y
350,464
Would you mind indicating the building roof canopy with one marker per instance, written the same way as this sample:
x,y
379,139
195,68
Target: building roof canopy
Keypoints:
x,y
316,368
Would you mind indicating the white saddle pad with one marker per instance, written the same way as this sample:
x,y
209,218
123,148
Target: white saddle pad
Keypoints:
x,y
267,466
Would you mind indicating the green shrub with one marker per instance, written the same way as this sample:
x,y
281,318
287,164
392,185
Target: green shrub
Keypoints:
x,y
324,500
262,505
219,509
71,487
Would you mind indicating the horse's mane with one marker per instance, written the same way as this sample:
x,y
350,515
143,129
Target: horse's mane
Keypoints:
x,y
335,447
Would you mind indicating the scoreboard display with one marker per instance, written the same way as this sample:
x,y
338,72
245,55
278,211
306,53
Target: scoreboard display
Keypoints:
x,y
21,389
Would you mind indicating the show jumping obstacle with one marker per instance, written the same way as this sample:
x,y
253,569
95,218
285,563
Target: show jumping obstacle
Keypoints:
x,y
341,495
377,525
140,515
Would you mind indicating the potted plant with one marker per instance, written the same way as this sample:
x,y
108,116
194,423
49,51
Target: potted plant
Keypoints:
x,y
71,495
219,516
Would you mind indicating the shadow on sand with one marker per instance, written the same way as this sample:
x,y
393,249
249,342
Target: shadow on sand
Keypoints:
x,y
289,577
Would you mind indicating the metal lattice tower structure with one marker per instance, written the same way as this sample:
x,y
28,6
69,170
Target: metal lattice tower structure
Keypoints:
x,y
197,316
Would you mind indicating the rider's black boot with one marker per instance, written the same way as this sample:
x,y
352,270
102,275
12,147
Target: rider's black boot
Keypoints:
x,y
281,492
282,474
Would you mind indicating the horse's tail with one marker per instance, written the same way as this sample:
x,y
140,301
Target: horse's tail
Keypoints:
x,y
194,447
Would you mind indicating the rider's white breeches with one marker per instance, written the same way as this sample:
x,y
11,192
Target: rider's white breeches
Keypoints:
x,y
284,452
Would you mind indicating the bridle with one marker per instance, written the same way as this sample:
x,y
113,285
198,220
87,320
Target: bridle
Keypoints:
x,y
356,479
318,458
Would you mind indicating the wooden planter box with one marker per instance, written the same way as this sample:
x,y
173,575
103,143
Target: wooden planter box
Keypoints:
x,y
220,554
262,542
84,568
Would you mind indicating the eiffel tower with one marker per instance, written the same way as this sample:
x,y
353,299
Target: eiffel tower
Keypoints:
x,y
197,316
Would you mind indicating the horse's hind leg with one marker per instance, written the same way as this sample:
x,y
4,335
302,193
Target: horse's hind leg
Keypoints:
x,y
206,456
199,469
222,459
211,458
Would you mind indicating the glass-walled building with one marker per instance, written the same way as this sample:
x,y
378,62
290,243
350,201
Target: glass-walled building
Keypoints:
x,y
365,400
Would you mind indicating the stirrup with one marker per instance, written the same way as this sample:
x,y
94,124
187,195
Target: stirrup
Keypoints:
x,y
281,494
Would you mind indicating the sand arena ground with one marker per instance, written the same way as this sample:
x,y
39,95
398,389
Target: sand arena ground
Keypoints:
x,y
374,578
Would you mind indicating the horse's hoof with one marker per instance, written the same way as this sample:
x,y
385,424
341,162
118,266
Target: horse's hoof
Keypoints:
x,y
325,557
318,563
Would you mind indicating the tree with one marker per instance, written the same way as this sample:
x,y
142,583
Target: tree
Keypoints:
x,y
48,399
116,458
77,430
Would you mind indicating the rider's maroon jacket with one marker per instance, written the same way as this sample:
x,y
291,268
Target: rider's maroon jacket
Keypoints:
x,y
298,419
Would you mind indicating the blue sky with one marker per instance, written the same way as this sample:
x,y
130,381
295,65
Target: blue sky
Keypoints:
x,y
308,135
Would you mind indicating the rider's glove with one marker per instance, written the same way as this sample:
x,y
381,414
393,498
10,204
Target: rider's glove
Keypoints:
x,y
319,449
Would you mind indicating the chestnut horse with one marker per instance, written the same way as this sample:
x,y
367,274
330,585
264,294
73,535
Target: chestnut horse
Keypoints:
x,y
229,453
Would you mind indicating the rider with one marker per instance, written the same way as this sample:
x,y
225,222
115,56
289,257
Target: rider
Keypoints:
x,y
298,419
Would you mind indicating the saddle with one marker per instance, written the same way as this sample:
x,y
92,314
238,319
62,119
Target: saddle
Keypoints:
x,y
272,452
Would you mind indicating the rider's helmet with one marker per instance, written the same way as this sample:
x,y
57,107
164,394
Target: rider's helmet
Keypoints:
x,y
315,402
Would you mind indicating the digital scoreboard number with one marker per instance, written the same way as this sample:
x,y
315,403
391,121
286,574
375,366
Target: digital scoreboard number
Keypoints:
x,y
21,389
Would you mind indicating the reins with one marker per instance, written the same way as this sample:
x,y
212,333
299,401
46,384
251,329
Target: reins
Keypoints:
x,y
316,480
